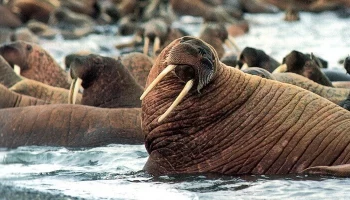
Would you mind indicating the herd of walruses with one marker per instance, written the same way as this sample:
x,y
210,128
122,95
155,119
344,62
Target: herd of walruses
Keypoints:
x,y
196,107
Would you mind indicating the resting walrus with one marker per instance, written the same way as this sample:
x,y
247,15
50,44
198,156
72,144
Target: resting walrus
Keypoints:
x,y
235,123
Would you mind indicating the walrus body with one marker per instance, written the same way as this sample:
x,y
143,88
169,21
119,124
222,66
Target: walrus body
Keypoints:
x,y
238,123
69,126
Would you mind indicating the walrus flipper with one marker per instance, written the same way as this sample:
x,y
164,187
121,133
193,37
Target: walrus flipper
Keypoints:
x,y
337,170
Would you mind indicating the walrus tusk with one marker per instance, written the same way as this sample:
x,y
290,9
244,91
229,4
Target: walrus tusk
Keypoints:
x,y
146,46
156,45
280,69
73,91
17,70
233,42
178,99
244,66
156,80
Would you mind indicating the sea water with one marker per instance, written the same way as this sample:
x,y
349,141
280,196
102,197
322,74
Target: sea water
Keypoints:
x,y
115,171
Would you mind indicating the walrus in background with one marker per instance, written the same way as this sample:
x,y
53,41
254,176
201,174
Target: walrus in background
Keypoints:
x,y
8,19
258,58
311,5
106,82
335,95
35,63
159,32
209,12
33,9
205,117
216,35
304,65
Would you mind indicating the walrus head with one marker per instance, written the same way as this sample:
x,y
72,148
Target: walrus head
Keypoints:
x,y
16,54
193,61
106,82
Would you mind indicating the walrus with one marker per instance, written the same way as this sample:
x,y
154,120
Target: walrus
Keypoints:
x,y
106,82
8,19
35,63
227,122
302,64
69,126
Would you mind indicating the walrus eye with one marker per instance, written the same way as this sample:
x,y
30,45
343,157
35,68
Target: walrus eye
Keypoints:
x,y
29,47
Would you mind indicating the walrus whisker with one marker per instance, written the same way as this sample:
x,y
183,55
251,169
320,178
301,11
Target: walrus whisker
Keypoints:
x,y
234,44
73,91
17,70
156,45
146,45
178,99
282,68
157,80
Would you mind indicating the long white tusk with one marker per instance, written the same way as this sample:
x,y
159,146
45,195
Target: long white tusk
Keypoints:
x,y
280,69
233,42
17,70
146,46
244,66
73,91
156,45
157,80
178,99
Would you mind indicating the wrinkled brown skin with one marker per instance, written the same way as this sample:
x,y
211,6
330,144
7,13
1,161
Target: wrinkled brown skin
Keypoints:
x,y
7,76
258,58
239,123
335,95
215,35
8,19
69,126
341,84
10,99
47,93
106,82
35,63
138,65
302,64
